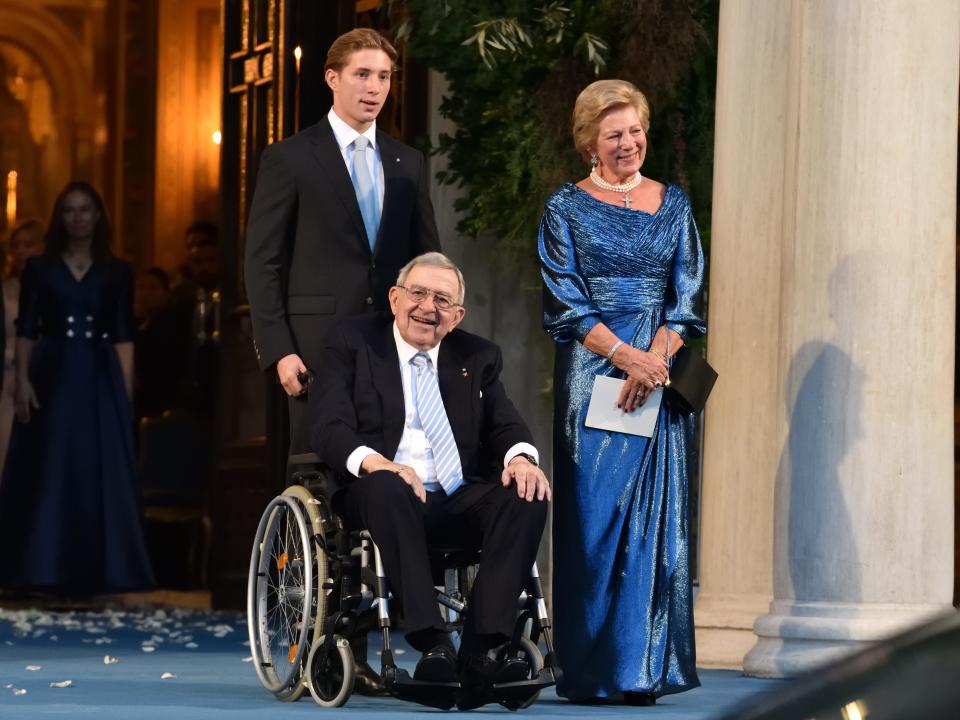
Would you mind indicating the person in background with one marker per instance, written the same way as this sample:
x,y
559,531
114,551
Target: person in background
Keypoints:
x,y
200,271
156,379
193,355
70,508
622,272
26,241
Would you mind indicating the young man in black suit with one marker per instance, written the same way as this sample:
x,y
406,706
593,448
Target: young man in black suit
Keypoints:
x,y
338,209
389,387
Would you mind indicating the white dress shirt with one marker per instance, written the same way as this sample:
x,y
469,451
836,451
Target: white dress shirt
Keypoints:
x,y
345,135
414,449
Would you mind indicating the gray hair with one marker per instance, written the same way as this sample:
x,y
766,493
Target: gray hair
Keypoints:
x,y
434,259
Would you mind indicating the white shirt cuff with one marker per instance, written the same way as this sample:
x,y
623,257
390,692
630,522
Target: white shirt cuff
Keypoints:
x,y
356,458
519,449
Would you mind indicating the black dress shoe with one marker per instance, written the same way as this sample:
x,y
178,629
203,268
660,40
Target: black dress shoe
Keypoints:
x,y
368,681
640,699
481,671
437,665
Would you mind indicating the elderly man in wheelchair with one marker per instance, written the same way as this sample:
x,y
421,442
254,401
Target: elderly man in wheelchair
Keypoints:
x,y
429,458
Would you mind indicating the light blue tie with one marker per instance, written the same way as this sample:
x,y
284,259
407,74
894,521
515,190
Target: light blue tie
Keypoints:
x,y
433,418
365,189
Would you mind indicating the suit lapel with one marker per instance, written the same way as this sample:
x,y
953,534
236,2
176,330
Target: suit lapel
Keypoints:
x,y
454,379
385,370
393,172
327,153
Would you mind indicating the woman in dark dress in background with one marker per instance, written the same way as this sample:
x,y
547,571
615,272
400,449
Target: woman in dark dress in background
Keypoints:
x,y
71,520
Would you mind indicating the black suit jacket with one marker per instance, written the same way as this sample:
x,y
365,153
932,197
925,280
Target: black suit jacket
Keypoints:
x,y
307,257
358,400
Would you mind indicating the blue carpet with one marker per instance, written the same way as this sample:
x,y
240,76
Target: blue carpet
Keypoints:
x,y
205,654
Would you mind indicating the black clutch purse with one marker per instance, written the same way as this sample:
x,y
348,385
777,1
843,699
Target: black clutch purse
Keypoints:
x,y
689,381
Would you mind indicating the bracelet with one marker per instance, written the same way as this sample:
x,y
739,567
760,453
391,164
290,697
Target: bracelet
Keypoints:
x,y
613,349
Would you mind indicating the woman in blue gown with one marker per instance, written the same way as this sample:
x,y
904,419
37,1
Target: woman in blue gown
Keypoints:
x,y
71,520
622,268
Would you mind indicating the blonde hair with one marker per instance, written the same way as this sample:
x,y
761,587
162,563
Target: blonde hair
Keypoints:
x,y
338,56
434,259
594,100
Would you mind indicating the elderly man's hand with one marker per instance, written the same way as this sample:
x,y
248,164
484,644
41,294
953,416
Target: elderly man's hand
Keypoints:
x,y
529,479
374,462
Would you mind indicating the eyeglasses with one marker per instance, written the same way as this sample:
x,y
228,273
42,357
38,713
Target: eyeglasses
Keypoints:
x,y
419,294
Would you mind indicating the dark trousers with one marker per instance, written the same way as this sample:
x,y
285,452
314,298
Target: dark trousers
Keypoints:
x,y
299,424
479,515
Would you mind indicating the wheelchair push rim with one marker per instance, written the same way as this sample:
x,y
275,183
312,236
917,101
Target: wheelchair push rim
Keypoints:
x,y
280,595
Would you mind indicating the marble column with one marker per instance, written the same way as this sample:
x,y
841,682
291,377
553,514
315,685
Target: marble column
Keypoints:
x,y
742,436
829,452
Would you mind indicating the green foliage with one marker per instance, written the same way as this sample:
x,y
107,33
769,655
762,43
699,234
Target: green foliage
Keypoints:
x,y
514,70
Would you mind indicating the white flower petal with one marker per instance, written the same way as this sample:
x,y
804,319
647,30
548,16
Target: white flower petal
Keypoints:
x,y
108,660
191,645
249,658
33,668
148,648
167,676
19,691
62,684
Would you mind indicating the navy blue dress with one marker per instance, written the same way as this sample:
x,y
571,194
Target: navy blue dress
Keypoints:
x,y
623,612
71,519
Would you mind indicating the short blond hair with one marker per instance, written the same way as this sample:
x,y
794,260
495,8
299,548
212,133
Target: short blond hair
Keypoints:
x,y
338,56
434,259
594,100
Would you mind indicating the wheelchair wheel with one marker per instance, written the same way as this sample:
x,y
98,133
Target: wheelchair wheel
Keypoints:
x,y
317,513
280,591
331,672
528,650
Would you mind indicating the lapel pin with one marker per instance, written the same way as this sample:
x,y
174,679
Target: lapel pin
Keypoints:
x,y
464,372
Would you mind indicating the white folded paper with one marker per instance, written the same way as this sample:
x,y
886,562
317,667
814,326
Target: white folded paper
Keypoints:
x,y
604,414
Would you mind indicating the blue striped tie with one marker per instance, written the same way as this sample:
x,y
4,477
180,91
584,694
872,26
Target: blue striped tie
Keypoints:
x,y
366,189
433,418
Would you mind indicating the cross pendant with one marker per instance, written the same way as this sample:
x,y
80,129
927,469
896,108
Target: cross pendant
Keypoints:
x,y
626,200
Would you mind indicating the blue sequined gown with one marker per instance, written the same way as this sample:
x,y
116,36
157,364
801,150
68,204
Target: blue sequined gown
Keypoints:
x,y
621,583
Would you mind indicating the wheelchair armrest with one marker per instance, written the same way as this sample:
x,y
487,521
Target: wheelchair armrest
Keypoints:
x,y
308,470
303,459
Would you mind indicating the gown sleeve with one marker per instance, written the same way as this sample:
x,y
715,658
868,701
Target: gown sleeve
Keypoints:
x,y
121,327
683,311
568,311
28,313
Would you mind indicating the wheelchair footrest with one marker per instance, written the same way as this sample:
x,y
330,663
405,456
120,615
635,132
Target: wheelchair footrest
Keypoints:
x,y
432,694
544,679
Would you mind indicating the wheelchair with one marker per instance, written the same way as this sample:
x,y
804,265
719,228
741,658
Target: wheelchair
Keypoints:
x,y
314,586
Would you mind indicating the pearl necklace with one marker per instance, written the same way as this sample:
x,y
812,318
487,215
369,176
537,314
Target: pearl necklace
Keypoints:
x,y
624,188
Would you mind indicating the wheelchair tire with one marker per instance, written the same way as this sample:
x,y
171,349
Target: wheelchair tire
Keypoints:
x,y
316,513
280,591
531,653
331,672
